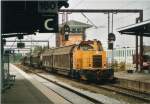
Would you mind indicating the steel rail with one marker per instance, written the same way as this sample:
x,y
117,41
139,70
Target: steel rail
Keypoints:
x,y
125,91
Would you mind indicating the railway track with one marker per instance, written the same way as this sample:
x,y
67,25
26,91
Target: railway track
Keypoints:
x,y
114,88
126,92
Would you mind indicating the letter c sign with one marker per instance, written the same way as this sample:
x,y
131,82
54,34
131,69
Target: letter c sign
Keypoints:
x,y
46,24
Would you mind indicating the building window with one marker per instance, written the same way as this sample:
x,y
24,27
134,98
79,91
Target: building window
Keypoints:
x,y
66,37
73,30
78,30
130,52
120,53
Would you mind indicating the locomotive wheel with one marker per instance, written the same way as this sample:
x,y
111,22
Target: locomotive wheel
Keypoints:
x,y
91,76
74,74
77,75
71,73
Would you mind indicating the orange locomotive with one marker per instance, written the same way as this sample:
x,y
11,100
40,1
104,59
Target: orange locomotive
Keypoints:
x,y
86,60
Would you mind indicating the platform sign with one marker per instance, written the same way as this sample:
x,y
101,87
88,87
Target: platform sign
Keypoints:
x,y
47,6
30,16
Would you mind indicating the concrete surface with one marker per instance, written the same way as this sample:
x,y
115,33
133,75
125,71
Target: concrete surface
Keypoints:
x,y
135,81
28,91
133,76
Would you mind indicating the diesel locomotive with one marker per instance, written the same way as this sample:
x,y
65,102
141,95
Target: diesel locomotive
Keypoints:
x,y
86,60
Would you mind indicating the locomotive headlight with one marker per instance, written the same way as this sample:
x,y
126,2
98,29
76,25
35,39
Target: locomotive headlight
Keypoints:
x,y
104,66
97,52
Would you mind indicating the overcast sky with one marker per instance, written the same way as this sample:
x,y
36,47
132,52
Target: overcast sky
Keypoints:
x,y
100,20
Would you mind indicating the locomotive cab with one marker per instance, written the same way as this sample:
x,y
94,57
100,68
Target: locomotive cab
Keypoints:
x,y
89,55
89,59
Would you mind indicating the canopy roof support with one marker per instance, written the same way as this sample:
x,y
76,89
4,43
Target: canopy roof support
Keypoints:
x,y
141,28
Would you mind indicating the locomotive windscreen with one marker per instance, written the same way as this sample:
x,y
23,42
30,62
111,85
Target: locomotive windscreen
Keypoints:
x,y
97,61
85,47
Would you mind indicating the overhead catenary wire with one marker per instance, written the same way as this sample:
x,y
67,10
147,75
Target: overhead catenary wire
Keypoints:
x,y
89,20
13,43
79,3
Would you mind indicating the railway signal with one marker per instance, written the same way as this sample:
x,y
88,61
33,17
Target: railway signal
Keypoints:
x,y
65,31
111,39
66,28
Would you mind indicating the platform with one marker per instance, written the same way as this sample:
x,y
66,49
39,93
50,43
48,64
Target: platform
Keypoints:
x,y
26,90
136,81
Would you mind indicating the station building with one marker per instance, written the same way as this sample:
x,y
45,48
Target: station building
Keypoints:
x,y
76,35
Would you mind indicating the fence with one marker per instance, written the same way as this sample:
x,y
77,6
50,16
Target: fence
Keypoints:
x,y
7,79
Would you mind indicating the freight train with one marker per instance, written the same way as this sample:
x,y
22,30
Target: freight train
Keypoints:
x,y
86,60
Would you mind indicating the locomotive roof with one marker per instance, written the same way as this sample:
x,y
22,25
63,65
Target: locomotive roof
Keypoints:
x,y
59,50
65,49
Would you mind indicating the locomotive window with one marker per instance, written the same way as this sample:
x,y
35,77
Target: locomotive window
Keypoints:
x,y
86,47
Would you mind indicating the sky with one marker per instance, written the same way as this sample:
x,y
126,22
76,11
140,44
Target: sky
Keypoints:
x,y
100,20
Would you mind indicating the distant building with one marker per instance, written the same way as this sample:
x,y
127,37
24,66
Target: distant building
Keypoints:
x,y
76,35
121,55
125,54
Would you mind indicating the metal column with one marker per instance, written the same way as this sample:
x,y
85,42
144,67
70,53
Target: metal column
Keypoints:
x,y
141,43
136,52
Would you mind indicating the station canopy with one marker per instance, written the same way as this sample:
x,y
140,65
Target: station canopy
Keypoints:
x,y
142,28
